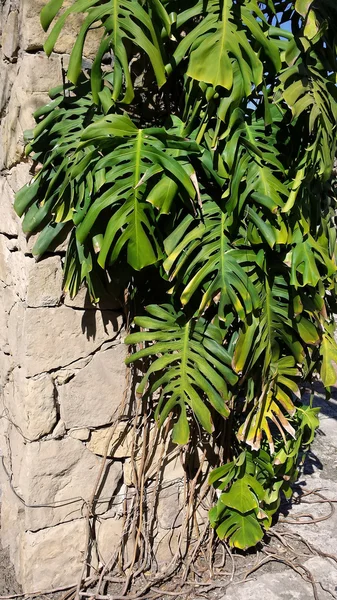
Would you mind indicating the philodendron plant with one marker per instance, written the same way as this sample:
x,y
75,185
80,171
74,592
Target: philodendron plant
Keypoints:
x,y
194,162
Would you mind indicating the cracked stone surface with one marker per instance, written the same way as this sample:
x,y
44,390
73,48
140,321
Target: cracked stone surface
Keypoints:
x,y
62,371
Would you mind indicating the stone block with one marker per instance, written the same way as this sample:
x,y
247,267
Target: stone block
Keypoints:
x,y
31,404
10,36
168,460
44,287
8,74
38,73
45,339
9,222
12,526
35,76
108,301
14,267
82,434
52,557
59,431
56,479
19,175
108,534
169,512
32,36
92,396
120,445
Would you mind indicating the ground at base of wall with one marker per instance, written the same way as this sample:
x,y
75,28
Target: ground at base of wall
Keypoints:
x,y
308,574
8,584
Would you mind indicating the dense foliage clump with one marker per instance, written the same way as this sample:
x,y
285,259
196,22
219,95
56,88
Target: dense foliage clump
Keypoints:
x,y
194,164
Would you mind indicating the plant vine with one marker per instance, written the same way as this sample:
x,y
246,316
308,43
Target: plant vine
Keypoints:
x,y
194,163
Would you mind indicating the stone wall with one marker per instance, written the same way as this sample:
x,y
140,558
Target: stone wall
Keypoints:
x,y
62,372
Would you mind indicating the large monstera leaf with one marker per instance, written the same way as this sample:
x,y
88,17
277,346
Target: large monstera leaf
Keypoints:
x,y
121,21
130,158
205,261
275,333
48,200
307,90
220,41
192,365
119,176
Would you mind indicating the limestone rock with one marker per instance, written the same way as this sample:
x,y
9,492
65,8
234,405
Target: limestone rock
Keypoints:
x,y
60,475
59,431
7,77
44,566
12,526
82,300
120,445
35,77
128,476
38,73
33,36
324,571
109,532
170,514
93,395
275,586
82,434
10,36
19,175
168,460
13,267
6,365
44,339
323,537
9,222
44,286
31,404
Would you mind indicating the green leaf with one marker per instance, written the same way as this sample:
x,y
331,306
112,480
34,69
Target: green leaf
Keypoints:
x,y
329,355
192,374
240,497
120,20
242,530
49,12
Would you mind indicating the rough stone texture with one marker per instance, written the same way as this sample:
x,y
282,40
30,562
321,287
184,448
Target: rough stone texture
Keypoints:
x,y
62,369
80,434
10,36
31,404
33,38
169,515
93,395
50,272
109,532
35,75
278,586
46,339
120,445
12,524
9,222
44,566
59,473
